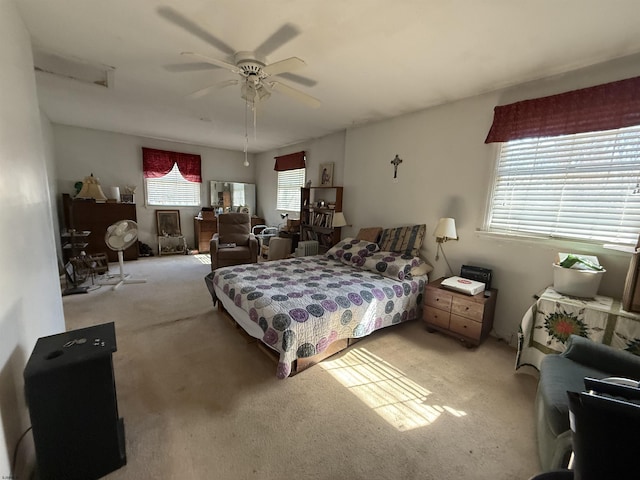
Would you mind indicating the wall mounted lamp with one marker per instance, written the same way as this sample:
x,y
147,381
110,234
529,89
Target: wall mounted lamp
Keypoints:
x,y
444,231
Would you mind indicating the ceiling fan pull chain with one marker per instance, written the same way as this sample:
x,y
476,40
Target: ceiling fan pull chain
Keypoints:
x,y
246,135
255,123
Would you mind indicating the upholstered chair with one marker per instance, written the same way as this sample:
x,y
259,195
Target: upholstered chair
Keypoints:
x,y
279,248
564,372
233,228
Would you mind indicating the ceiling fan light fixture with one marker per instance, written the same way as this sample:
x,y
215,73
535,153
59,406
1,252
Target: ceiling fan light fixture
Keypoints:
x,y
248,92
263,94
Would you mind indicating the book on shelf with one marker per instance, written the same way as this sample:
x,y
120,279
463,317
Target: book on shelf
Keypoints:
x,y
322,219
328,221
310,235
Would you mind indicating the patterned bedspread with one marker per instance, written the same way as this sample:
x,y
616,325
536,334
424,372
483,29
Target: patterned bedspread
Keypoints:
x,y
304,304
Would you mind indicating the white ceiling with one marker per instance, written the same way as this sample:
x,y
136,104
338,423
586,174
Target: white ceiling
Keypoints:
x,y
371,59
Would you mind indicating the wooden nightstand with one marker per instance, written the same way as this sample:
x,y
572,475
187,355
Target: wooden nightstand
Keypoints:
x,y
468,318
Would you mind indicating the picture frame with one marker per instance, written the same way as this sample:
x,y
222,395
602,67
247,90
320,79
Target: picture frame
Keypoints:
x,y
326,174
127,198
168,223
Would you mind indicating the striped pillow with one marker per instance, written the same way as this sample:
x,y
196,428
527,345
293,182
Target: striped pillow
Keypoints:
x,y
407,240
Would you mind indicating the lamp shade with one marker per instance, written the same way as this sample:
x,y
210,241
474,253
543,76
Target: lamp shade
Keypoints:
x,y
446,229
338,220
91,189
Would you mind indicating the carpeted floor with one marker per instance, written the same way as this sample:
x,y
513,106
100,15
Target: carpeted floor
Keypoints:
x,y
200,402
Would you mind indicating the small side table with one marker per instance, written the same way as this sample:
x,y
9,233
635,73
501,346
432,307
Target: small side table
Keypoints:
x,y
547,324
466,317
171,245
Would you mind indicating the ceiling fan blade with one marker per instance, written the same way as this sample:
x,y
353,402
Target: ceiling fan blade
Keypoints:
x,y
286,65
189,67
213,61
183,22
296,94
307,82
202,92
277,39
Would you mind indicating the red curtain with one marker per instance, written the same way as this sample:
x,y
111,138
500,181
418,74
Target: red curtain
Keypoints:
x,y
603,107
157,163
292,161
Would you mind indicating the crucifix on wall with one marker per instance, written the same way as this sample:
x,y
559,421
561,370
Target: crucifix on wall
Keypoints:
x,y
395,162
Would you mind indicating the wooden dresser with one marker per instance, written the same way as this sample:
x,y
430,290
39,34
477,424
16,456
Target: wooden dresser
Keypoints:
x,y
203,231
88,215
468,318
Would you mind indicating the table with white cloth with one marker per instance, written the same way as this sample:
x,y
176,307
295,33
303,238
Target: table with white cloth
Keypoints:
x,y
547,324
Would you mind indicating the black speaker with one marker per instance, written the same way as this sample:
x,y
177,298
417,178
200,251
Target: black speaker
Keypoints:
x,y
478,274
71,395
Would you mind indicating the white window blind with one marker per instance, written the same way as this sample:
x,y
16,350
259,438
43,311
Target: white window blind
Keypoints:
x,y
289,183
173,190
582,186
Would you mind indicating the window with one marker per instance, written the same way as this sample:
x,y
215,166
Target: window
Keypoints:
x,y
171,178
289,183
581,186
172,190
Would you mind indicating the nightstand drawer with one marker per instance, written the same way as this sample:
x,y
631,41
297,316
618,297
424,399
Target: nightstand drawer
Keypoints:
x,y
436,316
438,298
466,327
465,309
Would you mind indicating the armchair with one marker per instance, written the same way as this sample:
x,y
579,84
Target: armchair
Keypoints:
x,y
566,372
233,228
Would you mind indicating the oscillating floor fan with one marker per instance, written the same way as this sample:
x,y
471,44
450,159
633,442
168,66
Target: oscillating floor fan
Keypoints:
x,y
120,236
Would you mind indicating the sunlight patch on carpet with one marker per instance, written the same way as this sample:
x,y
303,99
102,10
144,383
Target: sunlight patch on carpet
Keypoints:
x,y
203,258
385,389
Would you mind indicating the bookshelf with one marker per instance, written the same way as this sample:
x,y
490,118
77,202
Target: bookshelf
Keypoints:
x,y
318,206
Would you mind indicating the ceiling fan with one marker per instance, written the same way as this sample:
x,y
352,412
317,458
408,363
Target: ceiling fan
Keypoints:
x,y
256,75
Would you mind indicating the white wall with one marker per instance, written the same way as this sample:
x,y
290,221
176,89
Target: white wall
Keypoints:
x,y
446,172
116,159
31,305
329,148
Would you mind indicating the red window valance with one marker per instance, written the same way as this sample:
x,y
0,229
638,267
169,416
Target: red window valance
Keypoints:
x,y
603,107
157,163
292,161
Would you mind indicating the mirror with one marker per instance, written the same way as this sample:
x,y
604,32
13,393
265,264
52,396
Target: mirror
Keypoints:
x,y
233,196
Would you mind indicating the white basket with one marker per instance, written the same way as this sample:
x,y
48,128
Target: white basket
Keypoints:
x,y
577,283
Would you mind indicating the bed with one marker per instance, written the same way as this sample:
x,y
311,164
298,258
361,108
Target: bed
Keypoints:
x,y
310,307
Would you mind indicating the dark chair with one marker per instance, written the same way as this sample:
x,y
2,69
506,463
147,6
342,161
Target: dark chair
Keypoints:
x,y
566,372
234,229
604,426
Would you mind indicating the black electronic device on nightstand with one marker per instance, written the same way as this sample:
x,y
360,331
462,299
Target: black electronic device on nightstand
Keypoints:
x,y
478,274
